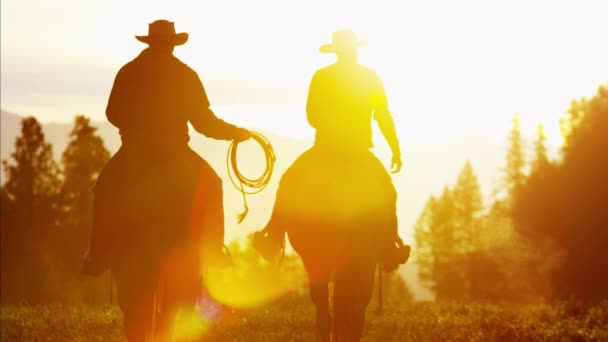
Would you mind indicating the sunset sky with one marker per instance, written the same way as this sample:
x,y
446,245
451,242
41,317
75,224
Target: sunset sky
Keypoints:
x,y
450,68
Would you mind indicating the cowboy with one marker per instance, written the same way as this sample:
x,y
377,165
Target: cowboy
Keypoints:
x,y
345,96
342,100
337,202
158,205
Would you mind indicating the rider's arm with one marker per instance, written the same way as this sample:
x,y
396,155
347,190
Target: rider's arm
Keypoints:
x,y
203,119
117,101
387,127
384,118
314,102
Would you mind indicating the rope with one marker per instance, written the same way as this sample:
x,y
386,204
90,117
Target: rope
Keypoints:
x,y
249,186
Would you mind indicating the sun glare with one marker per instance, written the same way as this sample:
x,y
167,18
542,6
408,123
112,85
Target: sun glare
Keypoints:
x,y
466,66
227,286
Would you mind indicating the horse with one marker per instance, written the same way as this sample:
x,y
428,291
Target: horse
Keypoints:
x,y
338,210
158,222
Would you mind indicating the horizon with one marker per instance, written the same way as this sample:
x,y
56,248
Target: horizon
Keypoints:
x,y
299,129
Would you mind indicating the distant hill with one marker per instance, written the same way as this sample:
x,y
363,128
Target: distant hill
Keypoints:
x,y
55,133
10,126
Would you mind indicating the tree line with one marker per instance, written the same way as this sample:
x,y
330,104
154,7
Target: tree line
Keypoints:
x,y
542,237
46,213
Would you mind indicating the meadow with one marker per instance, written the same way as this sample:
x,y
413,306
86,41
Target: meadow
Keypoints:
x,y
292,319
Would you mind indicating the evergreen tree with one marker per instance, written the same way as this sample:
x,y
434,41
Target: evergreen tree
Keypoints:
x,y
29,199
423,236
472,259
573,118
581,187
83,160
564,205
455,244
540,150
468,204
514,171
438,250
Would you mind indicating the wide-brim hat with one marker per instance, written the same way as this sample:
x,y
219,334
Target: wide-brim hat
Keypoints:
x,y
342,40
163,32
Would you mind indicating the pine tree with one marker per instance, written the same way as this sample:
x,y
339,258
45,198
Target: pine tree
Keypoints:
x,y
580,223
83,159
516,162
448,239
540,150
423,236
562,208
468,204
573,118
437,248
33,177
29,197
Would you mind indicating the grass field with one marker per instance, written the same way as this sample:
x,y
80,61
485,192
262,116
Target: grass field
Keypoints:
x,y
292,319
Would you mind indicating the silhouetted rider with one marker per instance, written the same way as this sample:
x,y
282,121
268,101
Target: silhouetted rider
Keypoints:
x,y
337,202
155,95
342,100
158,212
344,97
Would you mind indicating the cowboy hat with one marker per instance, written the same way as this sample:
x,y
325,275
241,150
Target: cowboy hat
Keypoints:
x,y
163,31
342,40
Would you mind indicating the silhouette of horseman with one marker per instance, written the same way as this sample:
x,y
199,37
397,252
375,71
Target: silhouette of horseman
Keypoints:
x,y
158,211
337,202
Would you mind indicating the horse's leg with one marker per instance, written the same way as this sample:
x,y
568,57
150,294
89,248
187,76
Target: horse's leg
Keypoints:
x,y
136,301
353,289
207,213
318,281
178,289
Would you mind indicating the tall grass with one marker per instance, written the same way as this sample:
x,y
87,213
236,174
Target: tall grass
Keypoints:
x,y
292,319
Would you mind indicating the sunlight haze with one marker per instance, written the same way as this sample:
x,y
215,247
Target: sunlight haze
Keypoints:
x,y
450,69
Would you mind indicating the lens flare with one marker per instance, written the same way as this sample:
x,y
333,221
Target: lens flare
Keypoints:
x,y
189,325
251,283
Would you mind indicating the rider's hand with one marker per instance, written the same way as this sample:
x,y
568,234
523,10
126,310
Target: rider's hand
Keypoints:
x,y
242,135
396,163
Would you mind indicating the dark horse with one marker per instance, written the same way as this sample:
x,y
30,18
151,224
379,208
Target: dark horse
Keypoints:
x,y
155,235
338,210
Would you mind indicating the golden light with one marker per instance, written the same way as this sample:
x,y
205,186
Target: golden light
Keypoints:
x,y
248,285
188,325
469,65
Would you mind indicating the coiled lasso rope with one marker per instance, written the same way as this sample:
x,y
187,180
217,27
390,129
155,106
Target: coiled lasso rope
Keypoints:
x,y
246,185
